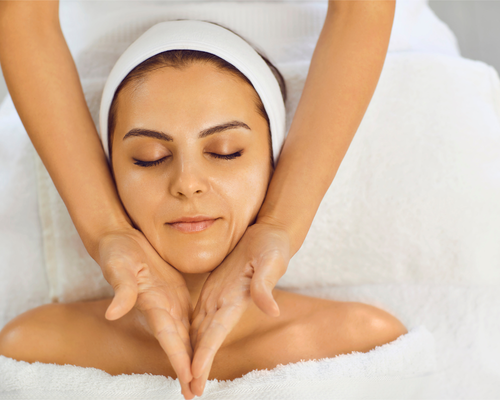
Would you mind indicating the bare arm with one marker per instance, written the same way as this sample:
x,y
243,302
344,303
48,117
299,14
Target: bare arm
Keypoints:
x,y
344,72
46,90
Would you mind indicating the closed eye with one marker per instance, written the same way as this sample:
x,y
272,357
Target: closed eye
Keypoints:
x,y
227,156
149,163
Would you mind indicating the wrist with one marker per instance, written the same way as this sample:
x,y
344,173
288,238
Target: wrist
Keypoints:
x,y
285,230
92,236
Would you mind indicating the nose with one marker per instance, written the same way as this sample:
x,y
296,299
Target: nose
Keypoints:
x,y
188,179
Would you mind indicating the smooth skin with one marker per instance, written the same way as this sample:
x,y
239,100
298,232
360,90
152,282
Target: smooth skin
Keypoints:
x,y
169,169
344,72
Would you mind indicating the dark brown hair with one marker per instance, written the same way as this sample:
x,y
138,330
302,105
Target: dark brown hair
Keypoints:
x,y
181,59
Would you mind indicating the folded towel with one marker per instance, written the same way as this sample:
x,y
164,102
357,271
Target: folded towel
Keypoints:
x,y
404,368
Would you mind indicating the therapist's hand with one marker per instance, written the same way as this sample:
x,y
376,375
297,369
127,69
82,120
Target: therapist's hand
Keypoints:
x,y
140,277
249,272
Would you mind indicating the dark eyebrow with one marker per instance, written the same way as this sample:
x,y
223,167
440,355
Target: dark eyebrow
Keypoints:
x,y
148,133
223,127
204,133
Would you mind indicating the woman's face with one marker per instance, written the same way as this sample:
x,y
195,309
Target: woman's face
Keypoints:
x,y
191,160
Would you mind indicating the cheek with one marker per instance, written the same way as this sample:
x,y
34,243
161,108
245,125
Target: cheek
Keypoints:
x,y
140,195
245,190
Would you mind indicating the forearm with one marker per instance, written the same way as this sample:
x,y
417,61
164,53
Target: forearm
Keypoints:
x,y
342,78
44,84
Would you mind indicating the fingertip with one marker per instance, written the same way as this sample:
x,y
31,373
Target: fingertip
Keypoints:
x,y
198,367
113,312
271,309
197,386
185,380
121,304
275,310
186,391
264,299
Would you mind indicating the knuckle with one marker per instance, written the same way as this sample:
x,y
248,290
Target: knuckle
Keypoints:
x,y
165,330
267,282
119,286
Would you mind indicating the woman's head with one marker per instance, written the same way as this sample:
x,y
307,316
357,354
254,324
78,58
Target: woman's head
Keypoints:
x,y
190,141
180,59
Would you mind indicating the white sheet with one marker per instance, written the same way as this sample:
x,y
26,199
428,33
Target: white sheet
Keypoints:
x,y
23,280
285,30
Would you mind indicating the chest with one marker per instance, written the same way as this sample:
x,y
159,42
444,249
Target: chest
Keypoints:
x,y
264,351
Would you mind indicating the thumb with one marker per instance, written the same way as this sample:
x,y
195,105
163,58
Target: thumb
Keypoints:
x,y
124,284
265,278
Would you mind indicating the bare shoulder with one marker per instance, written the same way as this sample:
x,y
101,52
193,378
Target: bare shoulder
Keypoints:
x,y
337,327
47,333
367,327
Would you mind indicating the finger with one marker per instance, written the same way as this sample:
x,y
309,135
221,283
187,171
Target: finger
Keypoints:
x,y
176,350
124,284
203,327
197,385
184,335
186,390
212,337
179,316
195,326
265,278
166,332
203,313
185,318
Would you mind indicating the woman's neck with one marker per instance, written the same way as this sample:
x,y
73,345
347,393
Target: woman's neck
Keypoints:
x,y
194,284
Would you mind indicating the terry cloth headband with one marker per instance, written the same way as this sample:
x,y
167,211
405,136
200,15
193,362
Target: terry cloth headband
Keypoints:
x,y
210,38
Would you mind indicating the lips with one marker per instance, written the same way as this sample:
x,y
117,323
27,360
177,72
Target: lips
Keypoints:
x,y
192,224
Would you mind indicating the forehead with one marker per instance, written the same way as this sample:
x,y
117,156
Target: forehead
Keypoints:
x,y
187,97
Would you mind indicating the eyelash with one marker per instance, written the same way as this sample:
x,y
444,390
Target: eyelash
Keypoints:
x,y
226,156
158,162
149,163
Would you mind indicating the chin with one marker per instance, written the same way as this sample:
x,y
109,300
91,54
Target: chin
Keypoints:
x,y
192,262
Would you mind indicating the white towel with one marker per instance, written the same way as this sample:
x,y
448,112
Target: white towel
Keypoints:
x,y
404,368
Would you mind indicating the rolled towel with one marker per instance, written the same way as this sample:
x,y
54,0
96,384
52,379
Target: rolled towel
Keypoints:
x,y
404,368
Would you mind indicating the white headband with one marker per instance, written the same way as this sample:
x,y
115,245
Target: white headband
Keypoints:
x,y
210,38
